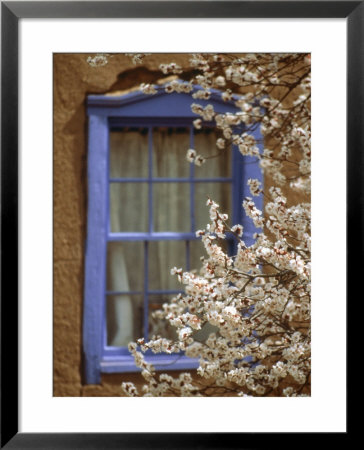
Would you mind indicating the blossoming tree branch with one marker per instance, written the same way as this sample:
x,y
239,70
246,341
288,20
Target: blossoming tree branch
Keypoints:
x,y
259,299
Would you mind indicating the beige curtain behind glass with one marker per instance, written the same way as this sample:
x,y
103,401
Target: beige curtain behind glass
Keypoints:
x,y
120,311
171,212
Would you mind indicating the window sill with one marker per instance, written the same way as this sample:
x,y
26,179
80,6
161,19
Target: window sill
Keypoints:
x,y
124,364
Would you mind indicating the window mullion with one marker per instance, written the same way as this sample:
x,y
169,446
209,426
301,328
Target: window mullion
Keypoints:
x,y
150,229
192,186
188,256
145,291
192,201
150,182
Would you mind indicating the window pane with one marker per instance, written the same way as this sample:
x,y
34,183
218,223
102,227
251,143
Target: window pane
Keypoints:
x,y
125,266
163,256
158,326
171,207
164,329
218,192
204,333
124,319
129,153
128,207
170,146
197,249
219,162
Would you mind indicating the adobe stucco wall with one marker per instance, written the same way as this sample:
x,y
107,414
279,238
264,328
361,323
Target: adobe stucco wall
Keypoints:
x,y
74,79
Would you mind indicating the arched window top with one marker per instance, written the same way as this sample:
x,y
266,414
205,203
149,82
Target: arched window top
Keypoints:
x,y
160,104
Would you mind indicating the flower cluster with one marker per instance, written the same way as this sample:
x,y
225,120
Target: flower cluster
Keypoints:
x,y
97,60
177,86
256,303
193,157
170,68
137,58
147,88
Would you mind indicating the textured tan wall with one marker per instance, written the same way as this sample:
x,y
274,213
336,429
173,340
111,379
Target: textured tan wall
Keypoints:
x,y
74,79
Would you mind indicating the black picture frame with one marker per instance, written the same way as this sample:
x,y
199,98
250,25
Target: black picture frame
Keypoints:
x,y
11,12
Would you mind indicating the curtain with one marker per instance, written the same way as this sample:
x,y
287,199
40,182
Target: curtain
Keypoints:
x,y
171,212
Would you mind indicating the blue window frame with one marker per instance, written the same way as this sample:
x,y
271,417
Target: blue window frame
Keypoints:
x,y
108,114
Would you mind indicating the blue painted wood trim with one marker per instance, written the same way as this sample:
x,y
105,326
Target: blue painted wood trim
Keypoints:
x,y
121,121
104,101
192,186
167,236
237,186
256,171
170,180
252,170
156,236
245,167
156,107
145,291
95,247
160,362
149,292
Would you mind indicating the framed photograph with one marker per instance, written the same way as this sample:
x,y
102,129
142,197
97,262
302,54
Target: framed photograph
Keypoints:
x,y
105,173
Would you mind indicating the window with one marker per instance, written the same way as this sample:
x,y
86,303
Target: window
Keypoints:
x,y
145,203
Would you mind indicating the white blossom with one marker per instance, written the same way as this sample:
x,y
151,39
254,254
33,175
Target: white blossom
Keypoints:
x,y
148,88
98,60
